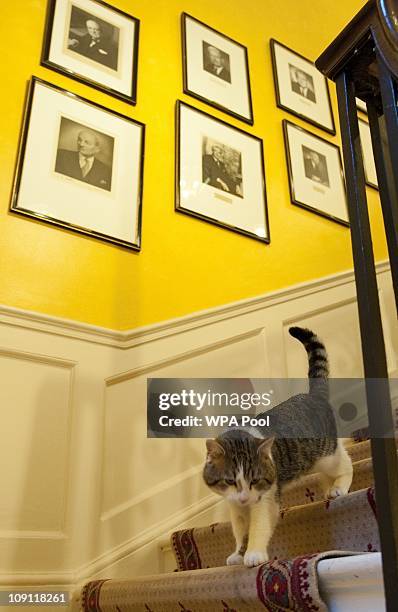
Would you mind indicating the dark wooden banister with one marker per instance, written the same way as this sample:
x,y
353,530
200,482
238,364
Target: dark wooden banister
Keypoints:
x,y
388,15
363,61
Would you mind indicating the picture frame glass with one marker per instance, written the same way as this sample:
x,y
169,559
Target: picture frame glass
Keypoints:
x,y
220,174
90,40
300,88
216,69
367,154
315,173
361,105
79,178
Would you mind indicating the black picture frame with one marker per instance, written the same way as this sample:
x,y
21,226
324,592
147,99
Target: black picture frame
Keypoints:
x,y
285,124
277,85
185,70
131,97
365,154
181,209
20,163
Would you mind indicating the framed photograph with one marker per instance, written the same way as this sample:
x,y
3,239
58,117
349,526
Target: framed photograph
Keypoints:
x,y
220,173
215,69
80,166
315,173
95,43
300,88
367,154
361,105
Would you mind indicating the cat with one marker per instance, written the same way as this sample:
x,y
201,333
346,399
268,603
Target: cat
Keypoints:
x,y
251,471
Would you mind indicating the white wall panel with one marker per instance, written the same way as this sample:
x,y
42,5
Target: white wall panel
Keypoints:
x,y
35,431
337,326
87,493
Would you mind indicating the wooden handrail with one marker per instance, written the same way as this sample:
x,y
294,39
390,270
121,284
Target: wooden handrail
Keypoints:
x,y
363,61
388,15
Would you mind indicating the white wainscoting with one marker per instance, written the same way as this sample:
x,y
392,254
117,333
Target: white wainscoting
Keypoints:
x,y
84,492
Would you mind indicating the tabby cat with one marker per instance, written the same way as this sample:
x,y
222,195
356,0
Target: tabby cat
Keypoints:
x,y
251,471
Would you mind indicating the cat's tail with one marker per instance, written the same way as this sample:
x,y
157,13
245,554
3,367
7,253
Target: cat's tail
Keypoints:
x,y
318,370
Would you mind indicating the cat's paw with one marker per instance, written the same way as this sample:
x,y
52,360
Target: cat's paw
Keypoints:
x,y
235,559
335,492
254,557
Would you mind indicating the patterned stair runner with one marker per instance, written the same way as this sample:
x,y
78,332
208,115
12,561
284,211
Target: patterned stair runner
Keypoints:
x,y
346,523
288,581
273,587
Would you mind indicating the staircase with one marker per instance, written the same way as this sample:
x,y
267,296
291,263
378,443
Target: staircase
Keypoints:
x,y
311,531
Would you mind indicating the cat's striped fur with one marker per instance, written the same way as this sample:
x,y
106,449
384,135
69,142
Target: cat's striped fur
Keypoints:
x,y
250,471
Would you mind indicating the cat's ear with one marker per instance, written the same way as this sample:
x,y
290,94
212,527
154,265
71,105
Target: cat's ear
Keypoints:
x,y
214,450
264,447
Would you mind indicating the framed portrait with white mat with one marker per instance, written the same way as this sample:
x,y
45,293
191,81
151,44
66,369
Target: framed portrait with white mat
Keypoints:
x,y
95,43
315,170
220,173
80,166
300,88
216,69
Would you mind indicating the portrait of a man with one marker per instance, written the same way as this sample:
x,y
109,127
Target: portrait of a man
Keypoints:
x,y
84,154
302,83
93,38
222,167
315,166
216,62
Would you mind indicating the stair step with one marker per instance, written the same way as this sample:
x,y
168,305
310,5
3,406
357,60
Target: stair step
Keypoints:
x,y
352,583
359,450
345,523
308,489
280,584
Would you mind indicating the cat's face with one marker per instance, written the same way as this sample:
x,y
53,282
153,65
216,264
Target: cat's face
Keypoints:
x,y
239,470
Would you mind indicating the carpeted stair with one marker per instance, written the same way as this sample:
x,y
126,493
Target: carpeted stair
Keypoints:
x,y
309,526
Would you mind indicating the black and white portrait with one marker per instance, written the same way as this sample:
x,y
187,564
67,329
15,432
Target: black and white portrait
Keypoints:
x,y
93,38
216,62
315,166
84,154
222,167
220,173
302,83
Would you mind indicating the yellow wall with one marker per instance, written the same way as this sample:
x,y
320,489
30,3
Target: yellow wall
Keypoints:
x,y
185,264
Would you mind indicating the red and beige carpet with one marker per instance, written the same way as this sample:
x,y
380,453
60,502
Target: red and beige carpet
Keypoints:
x,y
310,529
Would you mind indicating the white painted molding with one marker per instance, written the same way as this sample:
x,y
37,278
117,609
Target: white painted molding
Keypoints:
x,y
116,531
32,535
130,338
29,356
65,580
165,485
177,358
171,523
157,532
